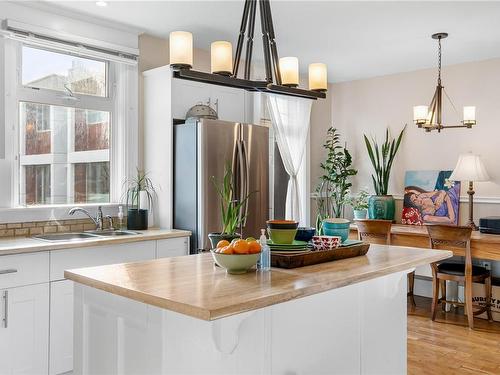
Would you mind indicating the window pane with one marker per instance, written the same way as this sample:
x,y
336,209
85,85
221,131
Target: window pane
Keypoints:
x,y
35,120
55,71
91,182
91,130
37,185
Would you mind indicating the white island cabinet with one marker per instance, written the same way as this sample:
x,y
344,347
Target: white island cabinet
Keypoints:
x,y
185,316
36,301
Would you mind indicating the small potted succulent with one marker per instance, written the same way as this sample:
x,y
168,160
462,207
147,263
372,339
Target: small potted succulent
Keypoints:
x,y
359,204
230,209
140,192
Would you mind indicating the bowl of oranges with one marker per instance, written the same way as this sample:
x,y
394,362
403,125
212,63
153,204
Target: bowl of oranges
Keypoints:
x,y
238,256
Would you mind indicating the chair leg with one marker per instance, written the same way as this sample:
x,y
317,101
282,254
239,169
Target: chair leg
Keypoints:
x,y
435,296
411,285
468,302
487,293
442,285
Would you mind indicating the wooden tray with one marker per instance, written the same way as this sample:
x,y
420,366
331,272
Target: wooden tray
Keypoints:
x,y
316,257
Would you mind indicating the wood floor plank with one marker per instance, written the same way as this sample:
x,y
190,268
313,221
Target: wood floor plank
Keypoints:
x,y
448,346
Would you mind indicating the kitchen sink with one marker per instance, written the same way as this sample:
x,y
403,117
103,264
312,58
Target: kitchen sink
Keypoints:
x,y
62,237
83,236
112,233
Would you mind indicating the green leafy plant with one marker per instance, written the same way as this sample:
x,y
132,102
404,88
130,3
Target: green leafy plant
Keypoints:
x,y
137,184
335,184
230,209
358,201
382,156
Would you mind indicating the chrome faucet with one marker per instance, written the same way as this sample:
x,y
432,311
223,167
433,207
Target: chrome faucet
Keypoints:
x,y
97,220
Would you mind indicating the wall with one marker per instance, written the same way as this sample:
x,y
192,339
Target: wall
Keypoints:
x,y
369,106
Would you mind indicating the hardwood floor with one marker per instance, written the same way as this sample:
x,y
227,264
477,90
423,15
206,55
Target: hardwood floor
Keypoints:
x,y
448,346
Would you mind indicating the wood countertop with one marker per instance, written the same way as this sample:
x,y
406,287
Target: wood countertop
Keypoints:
x,y
21,245
483,246
193,286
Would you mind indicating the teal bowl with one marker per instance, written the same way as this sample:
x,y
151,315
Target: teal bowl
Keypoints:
x,y
337,227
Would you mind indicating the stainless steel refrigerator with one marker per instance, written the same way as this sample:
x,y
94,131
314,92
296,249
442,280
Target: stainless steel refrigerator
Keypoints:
x,y
202,149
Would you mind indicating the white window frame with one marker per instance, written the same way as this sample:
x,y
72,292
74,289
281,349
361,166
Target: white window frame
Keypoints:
x,y
122,137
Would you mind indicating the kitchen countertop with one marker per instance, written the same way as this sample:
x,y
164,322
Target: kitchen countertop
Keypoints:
x,y
21,245
193,286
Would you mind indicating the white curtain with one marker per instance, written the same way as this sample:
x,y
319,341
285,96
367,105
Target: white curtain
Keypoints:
x,y
290,117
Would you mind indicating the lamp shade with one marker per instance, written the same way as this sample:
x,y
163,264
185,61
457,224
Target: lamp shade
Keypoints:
x,y
181,49
221,57
318,80
469,168
289,67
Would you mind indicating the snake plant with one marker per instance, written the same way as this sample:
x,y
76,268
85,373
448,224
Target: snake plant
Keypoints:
x,y
382,156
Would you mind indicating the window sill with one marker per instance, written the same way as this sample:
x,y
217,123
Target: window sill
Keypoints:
x,y
52,212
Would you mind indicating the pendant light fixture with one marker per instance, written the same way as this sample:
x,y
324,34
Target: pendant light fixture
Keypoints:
x,y
430,117
282,75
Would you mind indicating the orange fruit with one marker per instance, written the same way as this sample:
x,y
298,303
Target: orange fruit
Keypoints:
x,y
254,247
251,239
227,250
240,247
222,243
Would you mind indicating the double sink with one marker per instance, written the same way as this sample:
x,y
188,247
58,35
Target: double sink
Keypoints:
x,y
83,236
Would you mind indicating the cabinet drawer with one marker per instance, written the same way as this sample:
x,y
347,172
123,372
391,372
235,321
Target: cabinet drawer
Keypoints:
x,y
24,269
61,260
172,247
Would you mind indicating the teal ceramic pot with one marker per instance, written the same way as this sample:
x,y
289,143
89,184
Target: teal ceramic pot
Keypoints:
x,y
336,227
381,207
360,214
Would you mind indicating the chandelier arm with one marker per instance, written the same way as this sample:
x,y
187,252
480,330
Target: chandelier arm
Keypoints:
x,y
272,41
251,28
265,42
432,108
439,106
451,102
241,37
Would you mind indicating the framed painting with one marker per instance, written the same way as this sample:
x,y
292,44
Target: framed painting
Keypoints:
x,y
430,197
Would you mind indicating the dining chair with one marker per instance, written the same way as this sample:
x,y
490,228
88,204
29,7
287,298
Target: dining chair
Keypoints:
x,y
457,239
379,232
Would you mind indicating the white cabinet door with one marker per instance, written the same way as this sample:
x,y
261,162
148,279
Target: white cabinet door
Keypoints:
x,y
186,94
24,330
61,327
172,247
230,103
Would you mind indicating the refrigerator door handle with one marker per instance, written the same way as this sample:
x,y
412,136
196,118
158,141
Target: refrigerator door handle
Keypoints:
x,y
241,176
246,176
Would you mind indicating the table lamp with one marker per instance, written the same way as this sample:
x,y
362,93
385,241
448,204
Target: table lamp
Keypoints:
x,y
470,168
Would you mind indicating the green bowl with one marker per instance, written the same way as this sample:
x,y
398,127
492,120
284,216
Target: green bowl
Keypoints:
x,y
282,236
236,263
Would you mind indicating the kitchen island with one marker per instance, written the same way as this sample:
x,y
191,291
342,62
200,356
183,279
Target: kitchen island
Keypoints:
x,y
183,315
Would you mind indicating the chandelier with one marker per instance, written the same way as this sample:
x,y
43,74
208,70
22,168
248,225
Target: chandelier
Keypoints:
x,y
430,117
281,74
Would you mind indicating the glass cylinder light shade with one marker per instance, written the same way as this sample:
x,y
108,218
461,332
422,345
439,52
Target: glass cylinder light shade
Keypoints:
x,y
289,69
318,80
469,115
221,57
181,49
420,113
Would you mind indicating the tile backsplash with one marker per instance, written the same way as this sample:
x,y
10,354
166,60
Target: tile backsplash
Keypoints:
x,y
53,226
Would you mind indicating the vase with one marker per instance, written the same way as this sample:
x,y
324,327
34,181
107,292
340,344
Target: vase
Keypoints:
x,y
137,219
215,237
381,207
360,214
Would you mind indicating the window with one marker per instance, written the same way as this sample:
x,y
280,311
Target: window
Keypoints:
x,y
57,71
65,117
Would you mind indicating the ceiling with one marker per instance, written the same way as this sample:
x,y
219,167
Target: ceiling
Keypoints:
x,y
356,39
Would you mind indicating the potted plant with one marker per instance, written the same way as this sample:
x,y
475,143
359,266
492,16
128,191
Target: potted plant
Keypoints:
x,y
139,189
381,205
230,209
335,184
359,204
